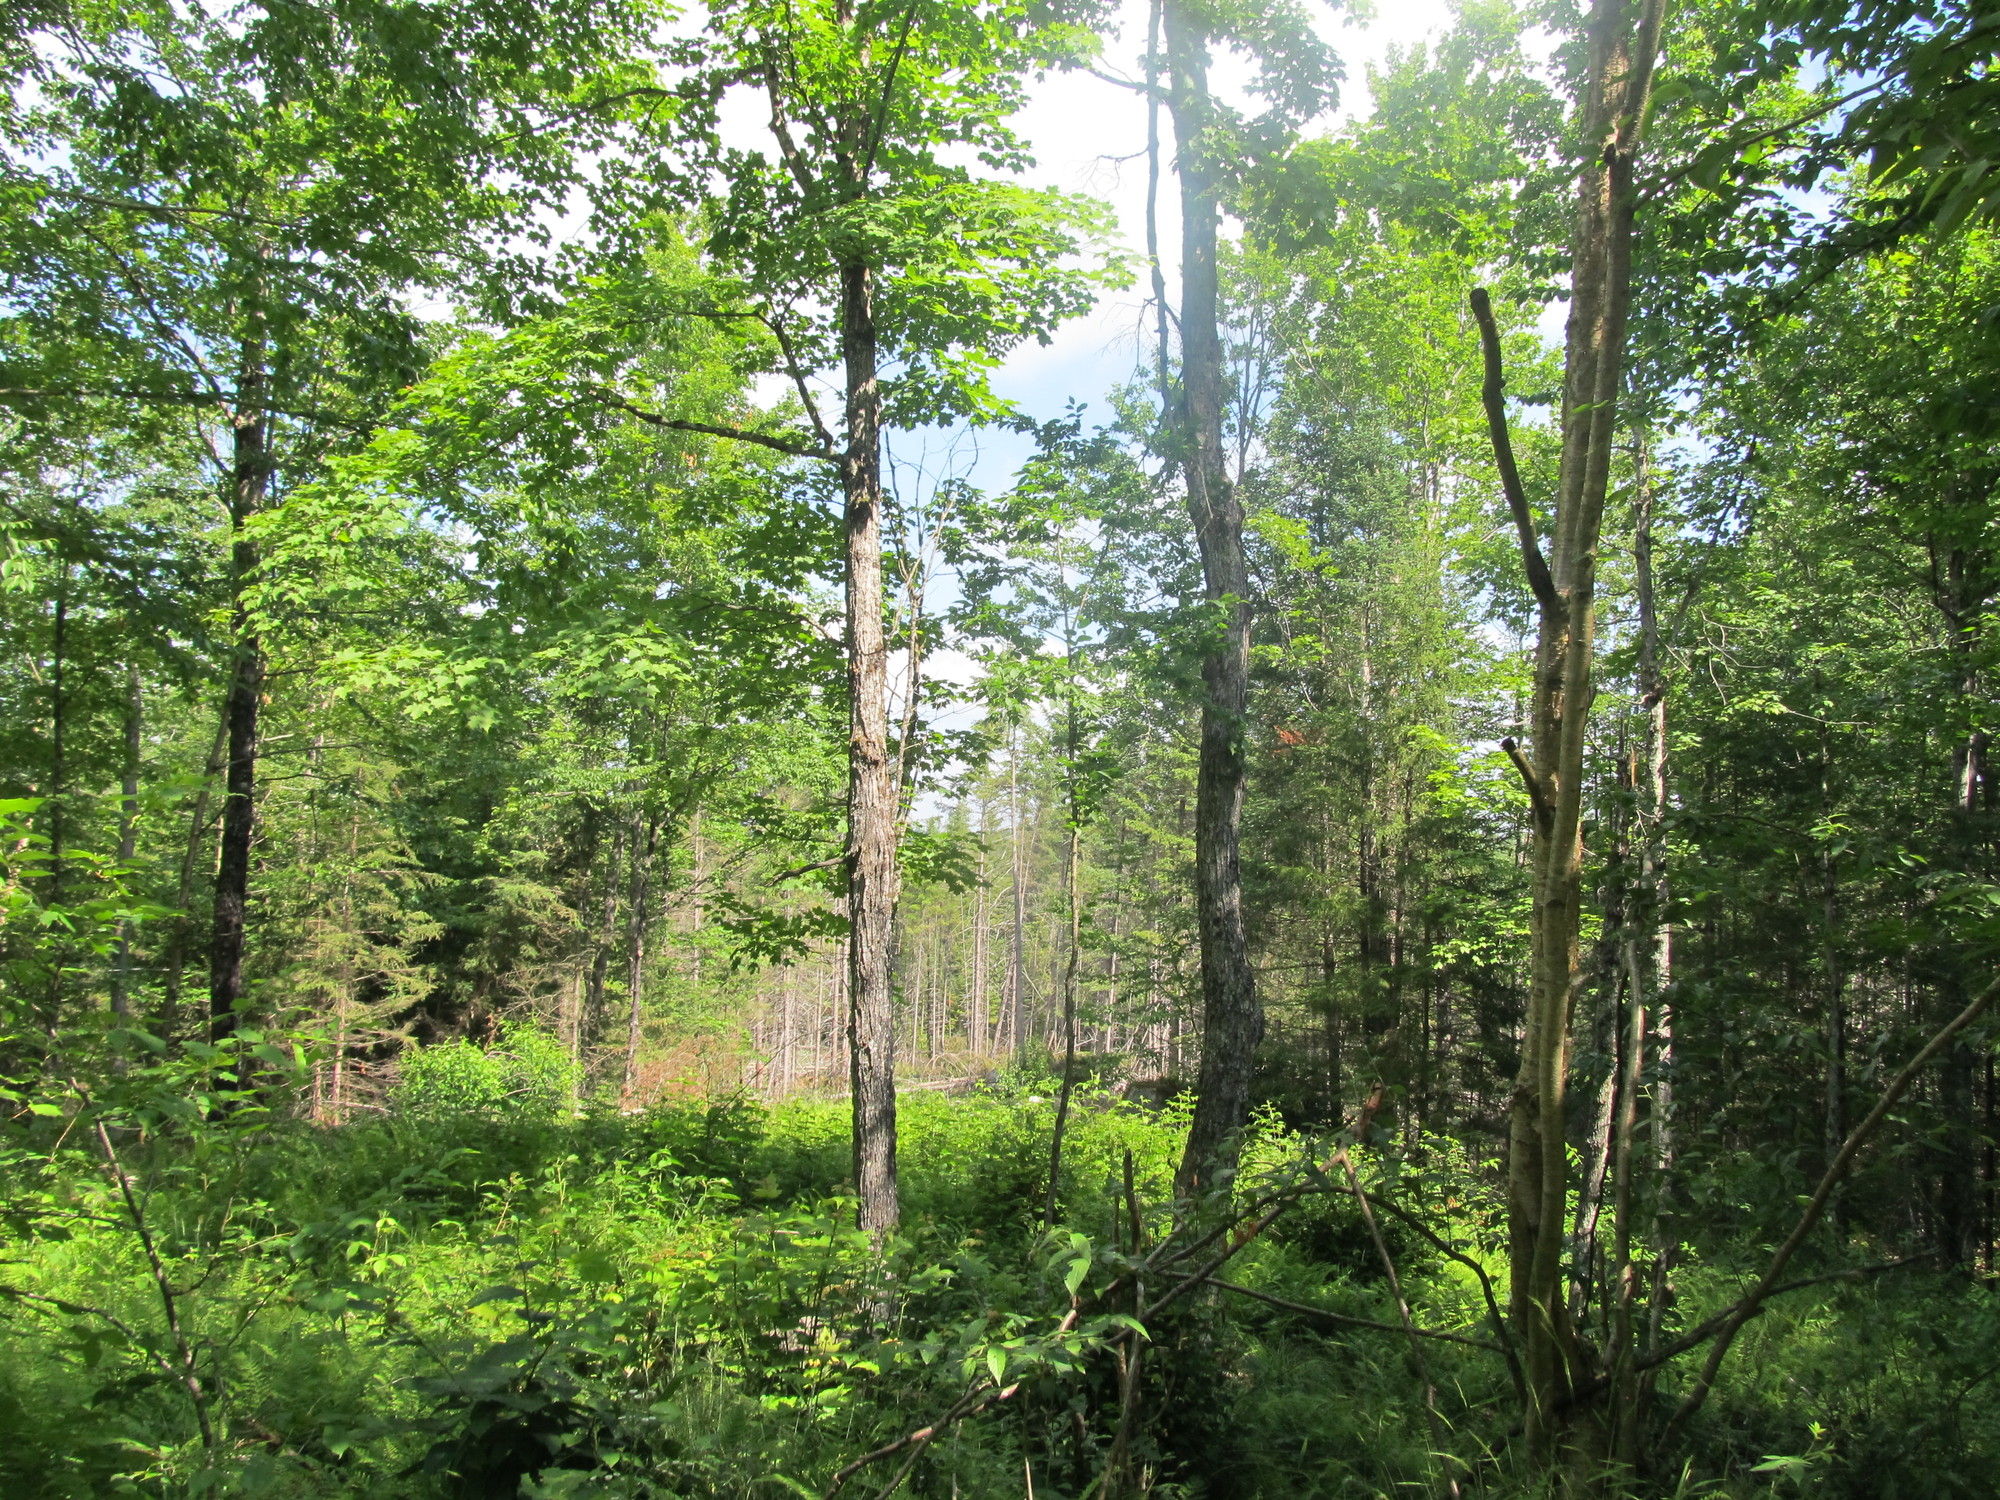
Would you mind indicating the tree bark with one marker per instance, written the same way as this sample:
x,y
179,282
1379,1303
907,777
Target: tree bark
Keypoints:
x,y
249,484
1232,1023
1623,40
645,841
1072,886
1015,1019
128,832
873,795
975,1022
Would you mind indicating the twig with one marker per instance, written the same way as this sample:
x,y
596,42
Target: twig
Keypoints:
x,y
189,1375
1501,1332
1446,1462
971,1404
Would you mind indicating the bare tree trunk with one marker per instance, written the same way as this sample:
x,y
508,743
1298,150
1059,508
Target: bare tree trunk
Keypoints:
x,y
177,935
128,833
1652,981
249,483
975,1021
1016,1037
645,842
1623,41
1072,885
1232,1023
873,795
600,961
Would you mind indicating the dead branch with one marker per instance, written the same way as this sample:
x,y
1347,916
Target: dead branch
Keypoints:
x,y
1347,1321
1494,394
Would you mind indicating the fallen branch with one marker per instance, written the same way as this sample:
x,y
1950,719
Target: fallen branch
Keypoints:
x,y
920,1439
1349,1321
1501,1332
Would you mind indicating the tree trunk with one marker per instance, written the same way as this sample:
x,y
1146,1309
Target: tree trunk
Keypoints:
x,y
177,936
592,1013
1072,885
1623,40
1650,946
872,792
128,832
1232,1023
644,844
249,482
1015,1020
975,1021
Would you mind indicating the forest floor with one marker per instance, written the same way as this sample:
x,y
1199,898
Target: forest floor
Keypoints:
x,y
676,1303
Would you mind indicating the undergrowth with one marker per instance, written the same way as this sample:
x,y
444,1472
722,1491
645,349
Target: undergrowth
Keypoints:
x,y
488,1302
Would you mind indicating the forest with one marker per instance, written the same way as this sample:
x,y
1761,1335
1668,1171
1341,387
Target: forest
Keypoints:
x,y
708,791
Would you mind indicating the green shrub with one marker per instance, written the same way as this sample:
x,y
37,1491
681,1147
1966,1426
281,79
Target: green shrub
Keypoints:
x,y
527,1071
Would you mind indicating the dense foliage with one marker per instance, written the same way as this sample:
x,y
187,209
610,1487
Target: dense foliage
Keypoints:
x,y
588,905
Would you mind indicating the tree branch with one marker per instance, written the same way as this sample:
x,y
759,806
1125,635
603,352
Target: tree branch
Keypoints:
x,y
1494,394
1352,1322
793,446
1538,796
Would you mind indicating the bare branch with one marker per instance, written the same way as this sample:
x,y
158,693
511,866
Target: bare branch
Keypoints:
x,y
1494,393
1538,795
793,446
1345,1320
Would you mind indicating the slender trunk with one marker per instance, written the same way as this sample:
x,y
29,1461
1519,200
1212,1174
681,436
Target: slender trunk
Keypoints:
x,y
1232,1023
52,1000
1652,933
607,938
1623,40
1072,875
58,737
1958,1195
1015,1021
177,936
873,796
128,833
975,1021
644,845
1329,965
249,482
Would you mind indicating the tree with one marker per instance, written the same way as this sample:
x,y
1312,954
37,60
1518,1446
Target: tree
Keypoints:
x,y
1212,147
1623,41
226,217
861,246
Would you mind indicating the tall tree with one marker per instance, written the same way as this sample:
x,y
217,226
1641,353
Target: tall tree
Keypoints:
x,y
864,248
1212,144
230,212
1622,38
